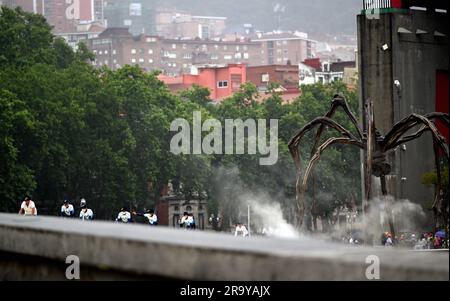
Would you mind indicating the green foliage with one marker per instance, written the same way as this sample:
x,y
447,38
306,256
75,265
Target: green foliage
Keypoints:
x,y
430,178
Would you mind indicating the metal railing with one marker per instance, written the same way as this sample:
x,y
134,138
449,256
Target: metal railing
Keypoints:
x,y
375,4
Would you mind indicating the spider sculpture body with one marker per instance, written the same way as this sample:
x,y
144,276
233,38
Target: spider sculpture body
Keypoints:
x,y
376,148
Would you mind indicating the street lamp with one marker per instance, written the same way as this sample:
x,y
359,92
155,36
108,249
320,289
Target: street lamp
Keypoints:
x,y
248,219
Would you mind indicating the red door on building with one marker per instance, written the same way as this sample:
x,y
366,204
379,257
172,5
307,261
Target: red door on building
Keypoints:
x,y
442,99
396,4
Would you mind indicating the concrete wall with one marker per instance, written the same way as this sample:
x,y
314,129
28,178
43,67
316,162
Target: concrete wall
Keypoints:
x,y
412,60
36,248
416,59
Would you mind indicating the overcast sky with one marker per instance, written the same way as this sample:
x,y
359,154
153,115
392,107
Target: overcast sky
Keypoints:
x,y
313,16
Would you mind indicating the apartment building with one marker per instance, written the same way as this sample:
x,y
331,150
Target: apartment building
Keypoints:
x,y
286,76
279,48
221,81
116,47
313,71
173,24
136,15
179,55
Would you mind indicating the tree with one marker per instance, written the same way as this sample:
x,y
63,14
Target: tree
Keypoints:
x,y
16,179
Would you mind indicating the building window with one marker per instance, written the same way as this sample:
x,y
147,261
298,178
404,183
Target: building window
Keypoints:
x,y
133,51
151,40
204,32
222,84
127,22
150,51
184,46
321,79
214,57
150,61
100,52
188,208
187,56
106,51
246,56
141,60
136,9
114,61
225,47
237,55
133,60
174,46
106,62
114,52
227,57
170,55
177,208
245,48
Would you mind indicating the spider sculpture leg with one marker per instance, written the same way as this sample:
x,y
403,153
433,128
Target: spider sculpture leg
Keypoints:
x,y
399,129
394,139
338,101
315,158
294,149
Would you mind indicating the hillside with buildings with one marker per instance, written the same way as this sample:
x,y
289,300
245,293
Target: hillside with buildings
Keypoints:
x,y
209,43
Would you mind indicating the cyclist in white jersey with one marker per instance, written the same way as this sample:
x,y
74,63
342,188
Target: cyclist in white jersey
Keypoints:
x,y
67,209
86,214
28,207
241,230
150,216
124,216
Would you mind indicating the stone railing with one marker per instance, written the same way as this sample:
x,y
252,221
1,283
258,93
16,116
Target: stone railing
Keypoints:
x,y
37,248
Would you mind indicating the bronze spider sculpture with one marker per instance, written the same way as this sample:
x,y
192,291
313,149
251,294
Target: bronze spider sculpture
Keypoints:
x,y
376,148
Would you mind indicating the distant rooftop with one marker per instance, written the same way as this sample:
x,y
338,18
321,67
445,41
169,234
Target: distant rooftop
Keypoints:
x,y
280,35
115,31
209,17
